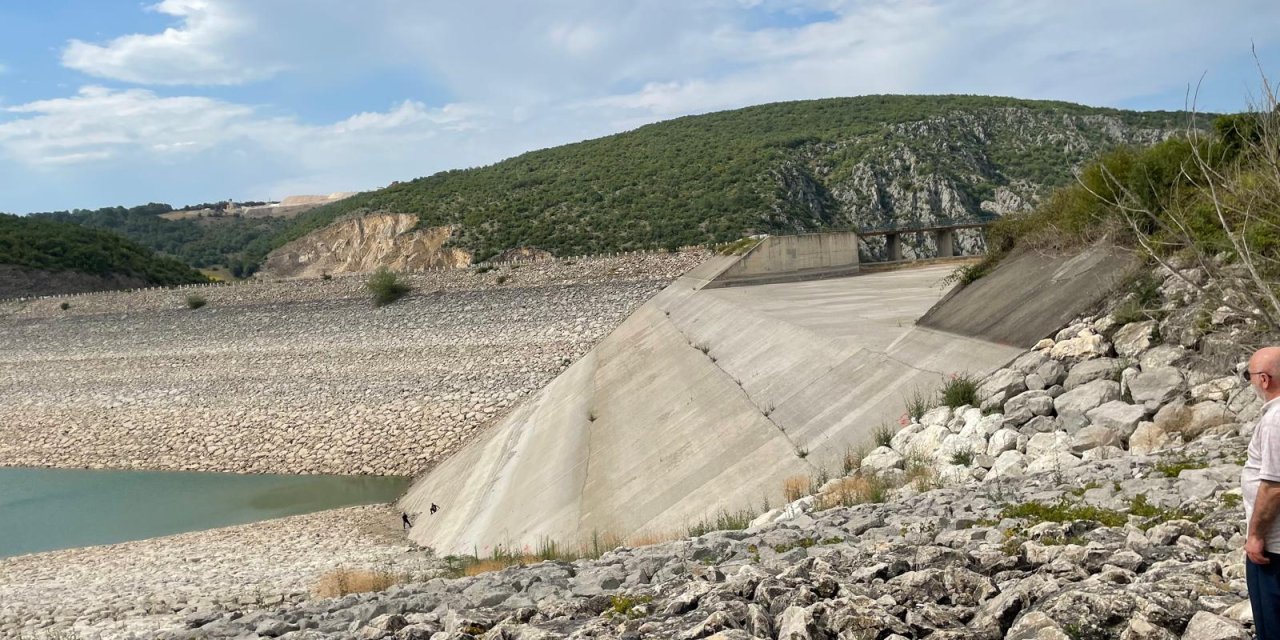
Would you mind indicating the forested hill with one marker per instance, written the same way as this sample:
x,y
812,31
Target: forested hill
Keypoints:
x,y
871,161
89,258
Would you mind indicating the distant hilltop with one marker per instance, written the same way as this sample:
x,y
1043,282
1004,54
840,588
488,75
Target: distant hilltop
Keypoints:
x,y
289,207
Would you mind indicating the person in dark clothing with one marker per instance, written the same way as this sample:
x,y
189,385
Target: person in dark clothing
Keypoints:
x,y
434,508
404,517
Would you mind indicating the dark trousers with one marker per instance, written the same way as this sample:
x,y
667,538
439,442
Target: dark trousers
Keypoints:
x,y
1264,596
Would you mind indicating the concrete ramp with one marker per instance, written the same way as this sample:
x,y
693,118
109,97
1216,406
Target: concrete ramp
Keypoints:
x,y
1031,294
704,399
793,259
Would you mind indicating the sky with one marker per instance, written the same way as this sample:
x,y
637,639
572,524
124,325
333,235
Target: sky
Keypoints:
x,y
121,102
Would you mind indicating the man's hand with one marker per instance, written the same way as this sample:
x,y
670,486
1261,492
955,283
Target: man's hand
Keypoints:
x,y
1255,548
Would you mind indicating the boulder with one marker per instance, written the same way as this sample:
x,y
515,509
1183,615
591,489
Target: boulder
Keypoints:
x,y
1088,371
1036,626
881,459
1216,389
1000,386
1074,405
936,416
1085,346
1165,355
1156,386
1054,461
1149,438
1043,443
903,441
1002,441
1094,436
1134,338
1052,372
1041,424
1208,626
1103,453
1029,362
1190,421
1117,415
1035,382
1024,406
1010,464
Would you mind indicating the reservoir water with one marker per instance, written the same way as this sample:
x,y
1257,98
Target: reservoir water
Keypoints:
x,y
45,509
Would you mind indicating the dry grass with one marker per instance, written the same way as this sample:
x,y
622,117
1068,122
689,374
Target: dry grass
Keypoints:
x,y
654,537
795,487
342,581
857,489
852,459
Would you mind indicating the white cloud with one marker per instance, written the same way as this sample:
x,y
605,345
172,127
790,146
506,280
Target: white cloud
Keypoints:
x,y
523,75
203,50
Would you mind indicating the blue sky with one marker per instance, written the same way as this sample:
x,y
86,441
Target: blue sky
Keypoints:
x,y
106,102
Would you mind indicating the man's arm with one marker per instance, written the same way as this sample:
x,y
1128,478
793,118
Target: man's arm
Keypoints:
x,y
1265,508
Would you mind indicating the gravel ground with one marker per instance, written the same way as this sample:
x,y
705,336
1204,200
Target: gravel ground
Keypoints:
x,y
301,376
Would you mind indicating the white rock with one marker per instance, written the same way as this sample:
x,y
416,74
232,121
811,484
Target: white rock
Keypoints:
x,y
1158,385
1054,461
1149,438
1008,465
1134,338
1042,444
1002,441
1074,405
1117,415
1207,626
881,459
1085,346
1094,436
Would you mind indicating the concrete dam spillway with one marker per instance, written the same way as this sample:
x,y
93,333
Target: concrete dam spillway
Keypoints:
x,y
704,399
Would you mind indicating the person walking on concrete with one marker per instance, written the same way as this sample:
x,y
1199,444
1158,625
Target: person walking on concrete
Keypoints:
x,y
434,508
1260,482
404,518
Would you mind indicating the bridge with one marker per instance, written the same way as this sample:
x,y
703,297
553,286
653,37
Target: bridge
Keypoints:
x,y
943,235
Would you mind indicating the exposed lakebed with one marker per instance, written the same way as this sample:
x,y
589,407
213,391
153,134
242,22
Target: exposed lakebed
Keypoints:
x,y
45,509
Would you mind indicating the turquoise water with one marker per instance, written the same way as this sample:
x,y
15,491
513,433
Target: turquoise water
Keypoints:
x,y
45,509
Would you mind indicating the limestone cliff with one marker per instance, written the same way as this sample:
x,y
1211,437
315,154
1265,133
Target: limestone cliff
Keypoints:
x,y
364,244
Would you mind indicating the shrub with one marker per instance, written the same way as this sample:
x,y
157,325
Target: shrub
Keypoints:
x,y
795,487
386,287
1064,511
501,279
1171,467
326,276
960,390
859,489
852,459
723,521
482,270
195,301
623,606
64,306
342,581
963,457
884,435
918,403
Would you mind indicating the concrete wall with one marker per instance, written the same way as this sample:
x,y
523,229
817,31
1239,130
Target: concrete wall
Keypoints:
x,y
700,401
794,258
1031,294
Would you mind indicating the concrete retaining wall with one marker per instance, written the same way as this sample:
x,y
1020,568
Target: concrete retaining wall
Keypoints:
x,y
1030,294
794,259
702,400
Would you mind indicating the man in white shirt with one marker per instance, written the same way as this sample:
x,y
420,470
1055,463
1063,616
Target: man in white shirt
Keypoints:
x,y
1260,482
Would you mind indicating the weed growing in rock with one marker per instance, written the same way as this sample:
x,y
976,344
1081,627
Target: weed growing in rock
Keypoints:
x,y
195,301
960,390
1063,511
852,459
501,280
884,435
963,458
326,276
1141,507
1079,491
343,581
795,487
918,403
860,489
623,606
64,306
1171,467
386,287
723,521
1231,500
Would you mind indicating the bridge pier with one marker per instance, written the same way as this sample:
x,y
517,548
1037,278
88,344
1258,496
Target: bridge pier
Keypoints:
x,y
893,247
945,240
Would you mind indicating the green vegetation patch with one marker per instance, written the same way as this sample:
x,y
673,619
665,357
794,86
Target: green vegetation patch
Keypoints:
x,y
53,246
386,287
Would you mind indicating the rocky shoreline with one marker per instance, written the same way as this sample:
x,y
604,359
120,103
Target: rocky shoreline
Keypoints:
x,y
301,376
134,587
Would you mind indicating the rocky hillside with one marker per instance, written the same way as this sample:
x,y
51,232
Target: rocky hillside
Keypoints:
x,y
364,244
42,257
868,162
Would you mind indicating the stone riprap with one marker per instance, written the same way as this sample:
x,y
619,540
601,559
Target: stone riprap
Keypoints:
x,y
1143,555
301,376
116,589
